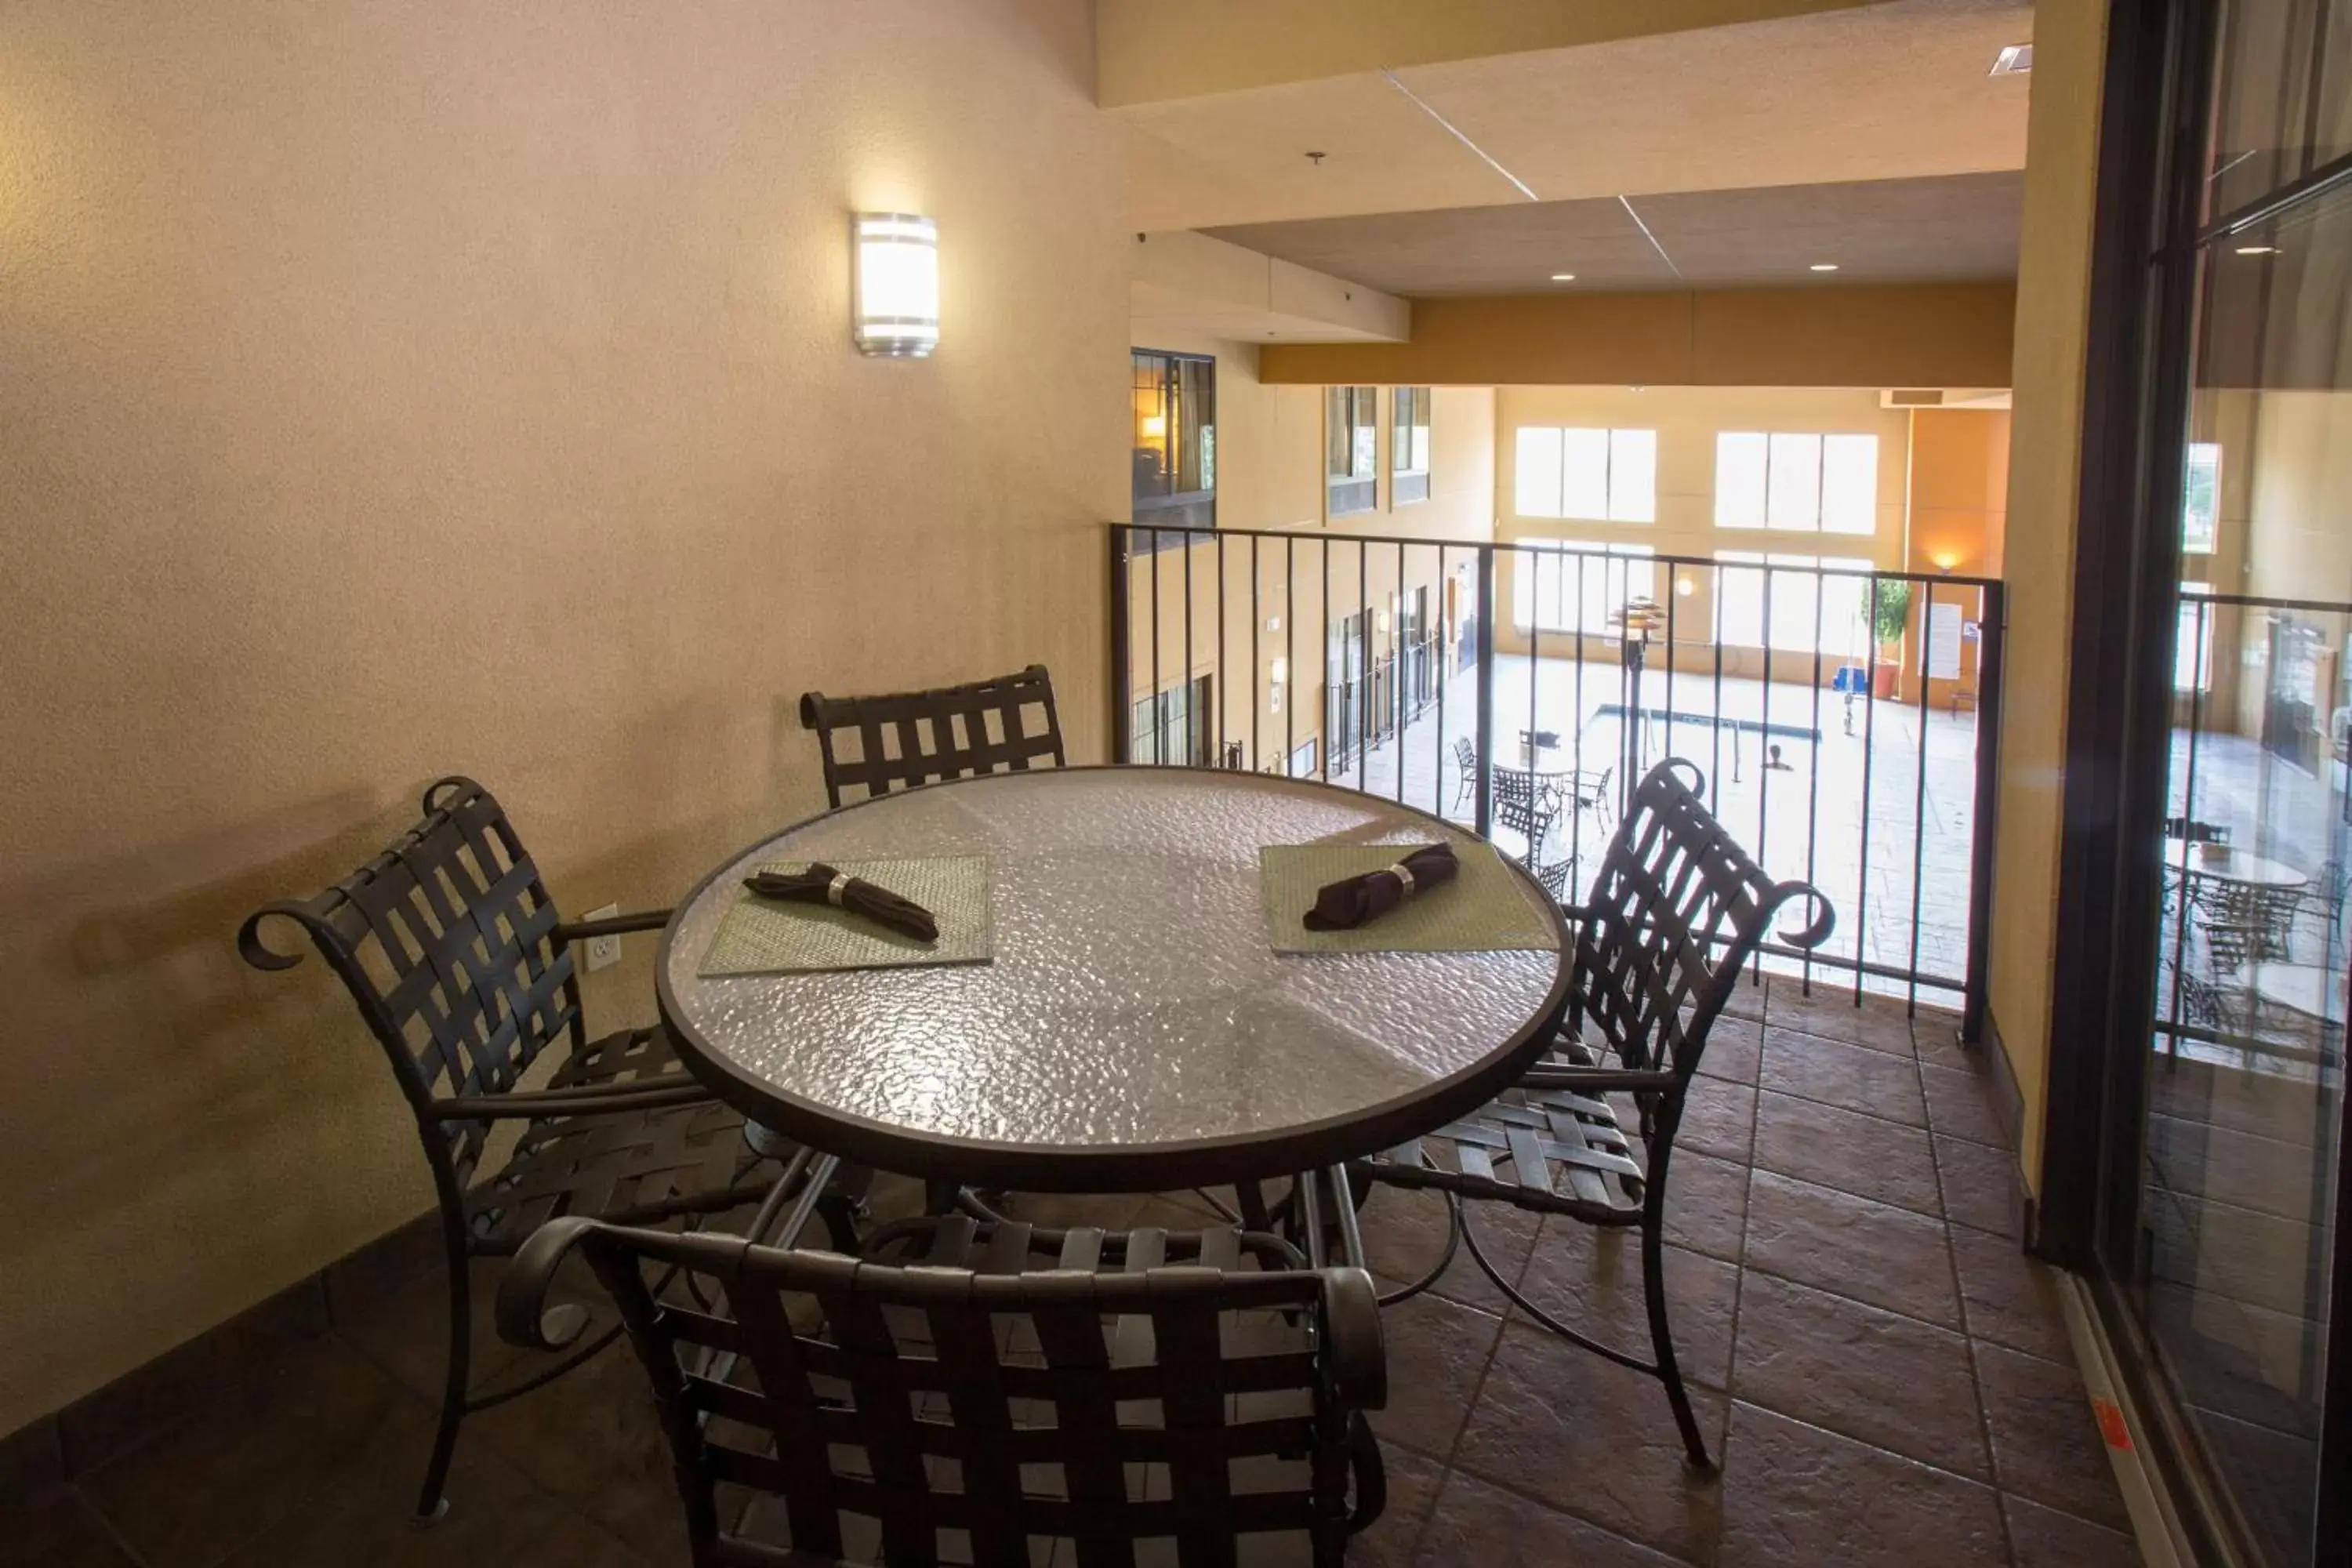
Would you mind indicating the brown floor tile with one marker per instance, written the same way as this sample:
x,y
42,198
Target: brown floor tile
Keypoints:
x,y
1830,1012
1796,1497
1437,1349
1404,1234
2046,1445
1938,1043
1979,1186
2007,1298
406,1331
1706,1204
1595,1439
496,1515
1734,1048
324,1423
1868,1374
1413,1483
1834,1072
32,1459
1846,1150
1746,1001
56,1527
1476,1523
1852,1246
2044,1538
1592,1280
1960,1105
1718,1118
384,1264
592,1439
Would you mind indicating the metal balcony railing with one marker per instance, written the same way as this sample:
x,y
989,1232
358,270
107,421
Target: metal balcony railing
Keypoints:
x,y
1453,676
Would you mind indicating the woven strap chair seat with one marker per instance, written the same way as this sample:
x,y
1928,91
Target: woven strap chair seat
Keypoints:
x,y
1552,1151
632,1168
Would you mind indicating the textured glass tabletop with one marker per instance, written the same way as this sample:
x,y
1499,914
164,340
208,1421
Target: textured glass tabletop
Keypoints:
x,y
1135,1028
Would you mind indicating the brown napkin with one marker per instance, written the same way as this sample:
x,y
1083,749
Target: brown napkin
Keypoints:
x,y
1345,905
821,884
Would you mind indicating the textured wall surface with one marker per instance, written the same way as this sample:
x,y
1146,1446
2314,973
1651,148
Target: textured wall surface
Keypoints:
x,y
424,385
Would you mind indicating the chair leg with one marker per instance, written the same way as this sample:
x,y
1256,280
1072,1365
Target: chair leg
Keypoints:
x,y
1662,1340
432,1503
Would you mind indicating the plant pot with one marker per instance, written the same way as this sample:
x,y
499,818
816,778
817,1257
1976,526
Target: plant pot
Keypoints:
x,y
1884,675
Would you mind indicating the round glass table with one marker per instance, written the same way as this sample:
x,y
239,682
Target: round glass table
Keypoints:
x,y
1134,1030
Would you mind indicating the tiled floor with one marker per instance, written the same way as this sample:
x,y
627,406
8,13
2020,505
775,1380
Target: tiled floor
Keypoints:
x,y
1885,1377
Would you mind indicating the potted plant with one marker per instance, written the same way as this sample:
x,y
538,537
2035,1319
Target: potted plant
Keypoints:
x,y
1890,618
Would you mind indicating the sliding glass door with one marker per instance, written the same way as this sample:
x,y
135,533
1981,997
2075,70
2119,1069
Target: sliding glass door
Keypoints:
x,y
2216,1245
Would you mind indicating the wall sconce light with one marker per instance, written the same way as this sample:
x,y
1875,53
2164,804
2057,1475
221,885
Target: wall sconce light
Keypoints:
x,y
1155,425
1278,672
897,305
1683,586
1945,561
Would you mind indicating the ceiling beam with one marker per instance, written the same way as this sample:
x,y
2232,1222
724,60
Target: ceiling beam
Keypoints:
x,y
1148,51
1940,334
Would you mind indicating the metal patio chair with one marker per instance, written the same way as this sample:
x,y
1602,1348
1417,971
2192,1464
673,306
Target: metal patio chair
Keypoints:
x,y
1465,764
459,961
907,738
1677,908
981,1392
1527,805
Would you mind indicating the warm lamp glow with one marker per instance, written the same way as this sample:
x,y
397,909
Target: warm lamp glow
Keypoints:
x,y
897,305
1683,586
1278,672
1155,426
1945,561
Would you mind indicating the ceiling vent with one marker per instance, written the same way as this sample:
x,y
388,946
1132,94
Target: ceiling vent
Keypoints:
x,y
2015,60
1913,397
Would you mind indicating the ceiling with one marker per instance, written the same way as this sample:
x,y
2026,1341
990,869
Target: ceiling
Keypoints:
x,y
1937,228
1874,93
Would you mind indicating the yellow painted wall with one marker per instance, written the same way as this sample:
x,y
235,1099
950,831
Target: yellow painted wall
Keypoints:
x,y
1959,518
400,389
1944,334
2052,303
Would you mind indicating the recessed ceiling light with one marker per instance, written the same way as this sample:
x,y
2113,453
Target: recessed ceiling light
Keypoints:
x,y
1564,277
2258,250
1825,266
2015,60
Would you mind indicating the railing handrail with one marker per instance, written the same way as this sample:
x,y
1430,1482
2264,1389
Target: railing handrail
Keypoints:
x,y
2253,602
1887,573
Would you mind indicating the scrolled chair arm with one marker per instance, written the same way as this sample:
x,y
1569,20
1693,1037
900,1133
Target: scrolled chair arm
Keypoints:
x,y
1825,922
1356,1360
523,1314
259,953
611,925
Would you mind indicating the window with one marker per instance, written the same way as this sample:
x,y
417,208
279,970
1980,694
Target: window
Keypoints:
x,y
1796,484
1809,612
1173,400
2192,646
1351,443
1578,591
1599,476
1172,726
2200,499
1408,447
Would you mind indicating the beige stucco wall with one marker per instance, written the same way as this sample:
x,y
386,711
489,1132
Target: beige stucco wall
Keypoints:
x,y
400,388
2053,306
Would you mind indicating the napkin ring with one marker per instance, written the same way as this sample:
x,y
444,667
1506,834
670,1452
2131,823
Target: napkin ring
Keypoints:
x,y
1404,877
835,888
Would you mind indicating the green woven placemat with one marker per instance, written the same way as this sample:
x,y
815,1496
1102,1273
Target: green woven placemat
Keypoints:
x,y
1483,910
776,936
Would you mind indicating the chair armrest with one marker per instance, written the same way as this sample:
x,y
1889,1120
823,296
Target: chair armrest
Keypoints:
x,y
521,1310
614,925
1355,1361
1597,1080
585,1100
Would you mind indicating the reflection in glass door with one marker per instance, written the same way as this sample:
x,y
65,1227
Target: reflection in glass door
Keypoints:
x,y
2239,1105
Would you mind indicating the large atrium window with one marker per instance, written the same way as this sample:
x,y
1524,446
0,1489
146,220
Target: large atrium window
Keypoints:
x,y
1796,483
1173,401
1408,447
1578,591
1351,449
1597,476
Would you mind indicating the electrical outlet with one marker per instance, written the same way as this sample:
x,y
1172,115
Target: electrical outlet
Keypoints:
x,y
604,950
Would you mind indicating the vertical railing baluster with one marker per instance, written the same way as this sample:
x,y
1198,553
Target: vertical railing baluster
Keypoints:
x,y
2187,807
1715,768
1576,745
1289,651
1364,668
1869,756
1158,726
1763,742
1482,808
1919,793
1221,678
1441,671
1122,654
1992,632
1671,598
1396,673
1813,783
1535,679
1190,721
1331,721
